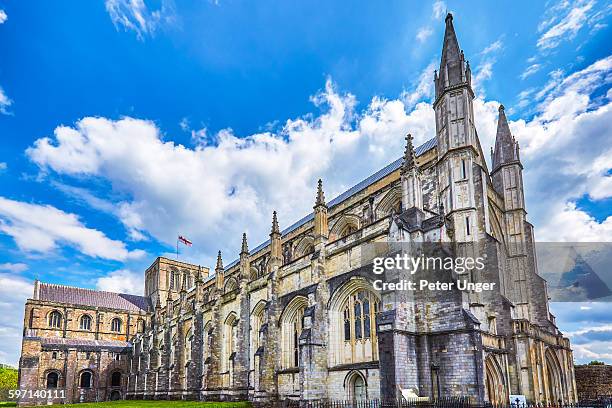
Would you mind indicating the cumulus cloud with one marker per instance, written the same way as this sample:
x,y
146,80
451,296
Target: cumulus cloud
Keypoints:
x,y
5,102
134,15
232,183
14,290
3,166
122,281
3,16
13,267
224,188
43,228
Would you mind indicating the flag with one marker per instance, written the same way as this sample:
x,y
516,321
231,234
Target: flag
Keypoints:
x,y
185,240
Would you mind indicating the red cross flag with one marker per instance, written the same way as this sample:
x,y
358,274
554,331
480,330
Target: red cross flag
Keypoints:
x,y
185,240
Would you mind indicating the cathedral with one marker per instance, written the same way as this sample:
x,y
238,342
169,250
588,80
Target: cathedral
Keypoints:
x,y
298,316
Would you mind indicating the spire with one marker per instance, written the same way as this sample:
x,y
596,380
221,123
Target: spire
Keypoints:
x,y
453,68
199,278
275,229
506,148
219,266
275,241
245,246
320,194
158,303
409,154
451,53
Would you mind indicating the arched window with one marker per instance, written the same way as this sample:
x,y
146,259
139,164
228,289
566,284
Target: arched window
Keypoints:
x,y
230,285
54,355
116,379
188,339
348,230
141,326
85,381
391,203
206,342
55,319
172,350
256,322
292,321
52,379
85,322
353,323
229,334
116,325
344,226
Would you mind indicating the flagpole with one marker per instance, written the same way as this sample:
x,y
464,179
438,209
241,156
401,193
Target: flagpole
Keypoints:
x,y
177,248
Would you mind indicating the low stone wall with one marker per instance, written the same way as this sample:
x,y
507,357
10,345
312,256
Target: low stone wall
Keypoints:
x,y
593,380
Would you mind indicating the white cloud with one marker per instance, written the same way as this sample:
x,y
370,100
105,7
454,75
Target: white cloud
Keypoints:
x,y
437,12
5,102
439,9
424,33
122,281
568,27
530,70
43,228
221,189
493,47
13,267
14,290
484,72
3,16
3,166
135,15
214,191
423,89
185,125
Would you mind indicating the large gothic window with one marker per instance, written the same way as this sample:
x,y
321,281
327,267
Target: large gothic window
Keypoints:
x,y
353,323
55,319
292,321
228,340
188,339
256,322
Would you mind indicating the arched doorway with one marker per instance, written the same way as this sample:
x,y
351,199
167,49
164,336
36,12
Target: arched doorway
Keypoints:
x,y
494,382
553,378
356,387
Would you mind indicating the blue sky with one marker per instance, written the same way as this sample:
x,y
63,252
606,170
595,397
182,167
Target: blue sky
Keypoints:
x,y
124,124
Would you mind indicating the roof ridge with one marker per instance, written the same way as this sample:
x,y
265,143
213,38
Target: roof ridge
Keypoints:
x,y
59,285
420,150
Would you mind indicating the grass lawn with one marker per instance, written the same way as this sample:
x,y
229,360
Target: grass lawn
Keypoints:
x,y
151,404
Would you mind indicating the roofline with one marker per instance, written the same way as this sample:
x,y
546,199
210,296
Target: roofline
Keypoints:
x,y
342,197
93,290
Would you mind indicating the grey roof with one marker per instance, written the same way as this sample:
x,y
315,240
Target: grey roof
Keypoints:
x,y
95,298
380,174
61,342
